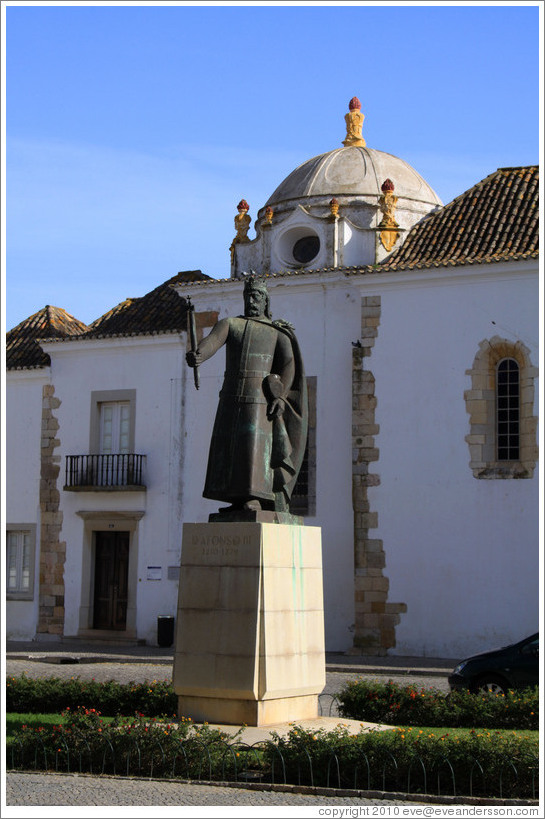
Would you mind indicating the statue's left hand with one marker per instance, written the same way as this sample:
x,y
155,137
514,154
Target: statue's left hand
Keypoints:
x,y
276,408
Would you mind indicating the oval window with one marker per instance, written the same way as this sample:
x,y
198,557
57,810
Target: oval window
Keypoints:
x,y
306,248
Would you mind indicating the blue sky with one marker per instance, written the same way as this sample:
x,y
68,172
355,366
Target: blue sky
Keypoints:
x,y
133,131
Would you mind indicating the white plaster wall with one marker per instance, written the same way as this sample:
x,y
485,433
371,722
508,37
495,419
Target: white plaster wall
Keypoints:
x,y
356,243
249,256
461,553
153,367
23,442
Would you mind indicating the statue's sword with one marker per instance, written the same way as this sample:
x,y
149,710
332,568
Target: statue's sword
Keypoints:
x,y
192,329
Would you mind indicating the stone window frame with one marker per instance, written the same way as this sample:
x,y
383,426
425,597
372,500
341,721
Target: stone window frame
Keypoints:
x,y
30,528
480,402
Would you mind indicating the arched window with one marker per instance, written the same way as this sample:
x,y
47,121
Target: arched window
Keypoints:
x,y
502,414
508,410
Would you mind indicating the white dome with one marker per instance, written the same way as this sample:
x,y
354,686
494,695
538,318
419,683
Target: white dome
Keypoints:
x,y
351,172
378,200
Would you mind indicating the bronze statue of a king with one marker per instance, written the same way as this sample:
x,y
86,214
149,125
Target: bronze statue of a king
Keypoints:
x,y
261,425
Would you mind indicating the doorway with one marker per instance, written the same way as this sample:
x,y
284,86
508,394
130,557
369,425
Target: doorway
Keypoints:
x,y
111,580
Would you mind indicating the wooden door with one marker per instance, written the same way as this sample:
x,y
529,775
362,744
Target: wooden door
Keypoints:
x,y
111,580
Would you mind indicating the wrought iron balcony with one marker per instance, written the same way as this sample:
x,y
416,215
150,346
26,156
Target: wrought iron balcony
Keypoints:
x,y
93,473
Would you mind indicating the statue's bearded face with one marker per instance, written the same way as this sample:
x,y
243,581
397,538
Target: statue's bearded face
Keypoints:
x,y
255,303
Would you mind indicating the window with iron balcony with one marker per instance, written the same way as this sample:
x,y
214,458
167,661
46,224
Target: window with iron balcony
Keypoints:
x,y
112,463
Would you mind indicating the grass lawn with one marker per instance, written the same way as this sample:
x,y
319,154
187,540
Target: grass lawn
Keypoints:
x,y
15,721
458,733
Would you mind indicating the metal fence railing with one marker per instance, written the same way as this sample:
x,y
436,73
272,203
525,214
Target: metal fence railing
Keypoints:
x,y
104,470
263,762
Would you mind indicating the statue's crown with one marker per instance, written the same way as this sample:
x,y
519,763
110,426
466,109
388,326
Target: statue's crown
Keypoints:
x,y
251,282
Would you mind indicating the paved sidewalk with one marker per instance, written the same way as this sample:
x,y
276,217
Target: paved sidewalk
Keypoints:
x,y
78,652
105,662
37,790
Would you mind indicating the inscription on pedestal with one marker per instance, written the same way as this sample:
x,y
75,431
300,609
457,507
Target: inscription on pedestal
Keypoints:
x,y
207,544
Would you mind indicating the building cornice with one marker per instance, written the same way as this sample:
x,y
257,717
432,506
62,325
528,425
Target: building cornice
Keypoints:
x,y
167,339
377,275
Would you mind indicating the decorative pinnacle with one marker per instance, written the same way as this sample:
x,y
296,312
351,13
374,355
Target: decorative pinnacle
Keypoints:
x,y
354,122
243,205
387,185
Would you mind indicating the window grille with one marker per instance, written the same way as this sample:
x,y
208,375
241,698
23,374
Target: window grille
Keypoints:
x,y
300,498
303,499
508,410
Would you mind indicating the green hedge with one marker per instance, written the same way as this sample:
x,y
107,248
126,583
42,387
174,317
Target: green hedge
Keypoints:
x,y
385,703
482,763
50,695
392,704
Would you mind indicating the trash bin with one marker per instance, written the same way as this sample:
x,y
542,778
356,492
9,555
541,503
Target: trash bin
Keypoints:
x,y
165,630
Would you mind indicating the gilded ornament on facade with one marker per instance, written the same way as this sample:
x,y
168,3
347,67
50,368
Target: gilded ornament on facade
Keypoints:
x,y
268,215
334,207
389,233
242,225
354,123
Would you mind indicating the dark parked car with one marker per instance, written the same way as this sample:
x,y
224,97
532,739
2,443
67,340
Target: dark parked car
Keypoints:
x,y
514,667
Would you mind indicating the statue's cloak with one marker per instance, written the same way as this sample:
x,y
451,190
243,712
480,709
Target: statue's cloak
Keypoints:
x,y
290,430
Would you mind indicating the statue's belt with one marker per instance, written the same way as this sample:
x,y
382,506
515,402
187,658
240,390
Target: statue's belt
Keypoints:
x,y
234,385
248,374
243,399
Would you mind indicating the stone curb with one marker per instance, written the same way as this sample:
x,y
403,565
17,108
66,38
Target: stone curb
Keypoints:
x,y
309,790
362,794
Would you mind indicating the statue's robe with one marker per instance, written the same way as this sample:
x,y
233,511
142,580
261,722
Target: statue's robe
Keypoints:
x,y
252,455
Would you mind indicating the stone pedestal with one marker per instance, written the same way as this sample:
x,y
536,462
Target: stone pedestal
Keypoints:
x,y
250,626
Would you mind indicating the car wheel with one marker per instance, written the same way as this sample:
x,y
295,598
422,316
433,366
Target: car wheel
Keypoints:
x,y
490,684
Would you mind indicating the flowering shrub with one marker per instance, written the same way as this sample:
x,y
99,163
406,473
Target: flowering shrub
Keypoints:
x,y
84,742
481,763
53,695
392,704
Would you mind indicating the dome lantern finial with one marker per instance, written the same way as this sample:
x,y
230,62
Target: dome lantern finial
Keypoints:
x,y
354,122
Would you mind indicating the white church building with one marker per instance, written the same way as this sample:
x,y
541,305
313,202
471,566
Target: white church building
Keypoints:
x,y
418,325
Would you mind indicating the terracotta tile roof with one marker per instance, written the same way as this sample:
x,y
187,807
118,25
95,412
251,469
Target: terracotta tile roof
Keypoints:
x,y
160,311
495,220
22,348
